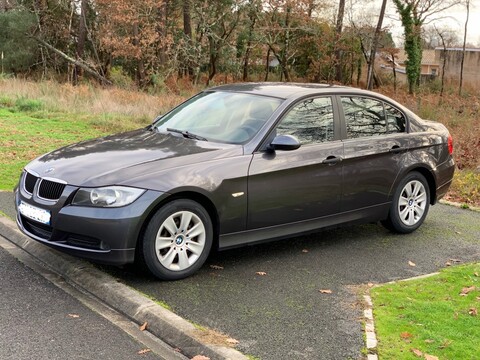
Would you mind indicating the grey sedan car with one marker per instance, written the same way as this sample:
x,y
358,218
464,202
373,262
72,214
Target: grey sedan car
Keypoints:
x,y
234,165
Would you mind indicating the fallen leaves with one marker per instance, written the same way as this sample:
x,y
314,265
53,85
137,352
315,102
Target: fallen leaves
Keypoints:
x,y
261,273
144,326
450,262
473,311
232,341
417,352
406,335
200,357
304,251
325,291
74,316
411,263
420,354
466,290
144,351
216,267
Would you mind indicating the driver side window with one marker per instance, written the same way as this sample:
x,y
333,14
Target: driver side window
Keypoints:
x,y
310,121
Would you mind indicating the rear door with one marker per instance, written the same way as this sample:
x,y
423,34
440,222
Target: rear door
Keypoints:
x,y
376,141
297,185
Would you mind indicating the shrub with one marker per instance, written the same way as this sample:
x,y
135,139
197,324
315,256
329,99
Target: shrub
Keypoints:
x,y
121,79
24,104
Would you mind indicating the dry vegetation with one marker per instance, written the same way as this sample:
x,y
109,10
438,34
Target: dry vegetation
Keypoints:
x,y
108,108
113,110
461,116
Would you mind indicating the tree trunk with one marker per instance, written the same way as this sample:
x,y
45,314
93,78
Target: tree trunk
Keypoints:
x,y
187,30
467,4
85,67
338,31
284,54
81,39
213,60
140,64
162,31
373,50
251,28
267,66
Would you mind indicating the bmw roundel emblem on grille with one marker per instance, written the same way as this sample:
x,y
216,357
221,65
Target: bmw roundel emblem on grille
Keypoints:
x,y
49,170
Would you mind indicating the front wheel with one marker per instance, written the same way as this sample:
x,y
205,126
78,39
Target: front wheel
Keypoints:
x,y
177,240
410,204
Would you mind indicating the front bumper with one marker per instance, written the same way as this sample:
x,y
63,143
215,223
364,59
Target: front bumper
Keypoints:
x,y
106,235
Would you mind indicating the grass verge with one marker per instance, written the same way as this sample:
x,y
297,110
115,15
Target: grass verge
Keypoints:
x,y
436,316
24,136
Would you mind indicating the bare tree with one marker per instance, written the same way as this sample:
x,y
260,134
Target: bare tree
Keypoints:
x,y
447,37
81,39
467,6
338,31
373,50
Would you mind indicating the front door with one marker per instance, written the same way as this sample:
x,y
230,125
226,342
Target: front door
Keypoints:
x,y
302,184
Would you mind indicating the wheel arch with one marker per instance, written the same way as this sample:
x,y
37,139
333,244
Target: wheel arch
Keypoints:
x,y
432,185
189,195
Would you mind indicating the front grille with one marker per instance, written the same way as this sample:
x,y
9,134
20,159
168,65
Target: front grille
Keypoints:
x,y
30,181
50,190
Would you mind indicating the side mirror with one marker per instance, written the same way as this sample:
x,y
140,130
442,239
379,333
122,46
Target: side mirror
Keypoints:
x,y
284,142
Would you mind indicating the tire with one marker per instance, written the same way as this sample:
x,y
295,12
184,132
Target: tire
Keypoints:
x,y
410,204
177,240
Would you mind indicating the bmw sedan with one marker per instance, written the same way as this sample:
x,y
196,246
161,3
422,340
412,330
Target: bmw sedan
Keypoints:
x,y
234,165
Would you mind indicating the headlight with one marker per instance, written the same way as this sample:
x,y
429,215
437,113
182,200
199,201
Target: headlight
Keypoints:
x,y
111,196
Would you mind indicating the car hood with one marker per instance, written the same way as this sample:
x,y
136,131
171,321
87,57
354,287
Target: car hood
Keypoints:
x,y
113,159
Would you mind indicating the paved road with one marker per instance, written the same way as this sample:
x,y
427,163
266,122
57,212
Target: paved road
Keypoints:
x,y
40,321
282,315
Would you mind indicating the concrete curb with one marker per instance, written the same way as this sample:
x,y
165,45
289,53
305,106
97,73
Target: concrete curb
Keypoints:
x,y
169,327
459,205
370,336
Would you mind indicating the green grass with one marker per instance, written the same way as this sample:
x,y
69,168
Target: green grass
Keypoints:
x,y
24,136
465,187
429,315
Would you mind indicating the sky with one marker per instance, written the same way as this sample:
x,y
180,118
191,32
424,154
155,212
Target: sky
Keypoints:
x,y
454,18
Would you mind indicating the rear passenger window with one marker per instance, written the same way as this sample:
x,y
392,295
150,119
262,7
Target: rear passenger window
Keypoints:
x,y
311,121
363,117
395,120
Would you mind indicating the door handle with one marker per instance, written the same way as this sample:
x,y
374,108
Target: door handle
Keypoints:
x,y
332,160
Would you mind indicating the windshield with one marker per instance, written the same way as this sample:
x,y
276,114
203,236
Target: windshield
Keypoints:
x,y
219,116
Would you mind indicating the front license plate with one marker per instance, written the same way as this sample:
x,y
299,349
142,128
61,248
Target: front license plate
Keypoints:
x,y
34,213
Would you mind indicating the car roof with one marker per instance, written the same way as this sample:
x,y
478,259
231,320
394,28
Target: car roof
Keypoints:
x,y
287,90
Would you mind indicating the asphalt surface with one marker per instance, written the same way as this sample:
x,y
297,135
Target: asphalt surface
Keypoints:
x,y
282,314
40,321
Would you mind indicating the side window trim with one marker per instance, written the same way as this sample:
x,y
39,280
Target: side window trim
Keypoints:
x,y
342,127
337,136
406,118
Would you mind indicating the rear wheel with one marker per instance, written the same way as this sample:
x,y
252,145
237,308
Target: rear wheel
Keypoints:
x,y
410,204
177,240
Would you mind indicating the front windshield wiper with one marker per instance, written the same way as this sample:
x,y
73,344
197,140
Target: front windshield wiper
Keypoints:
x,y
188,134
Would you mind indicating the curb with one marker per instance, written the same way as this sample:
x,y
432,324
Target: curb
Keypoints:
x,y
370,336
459,205
164,324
